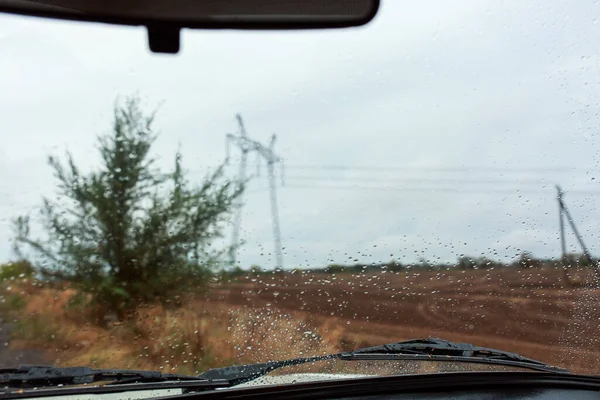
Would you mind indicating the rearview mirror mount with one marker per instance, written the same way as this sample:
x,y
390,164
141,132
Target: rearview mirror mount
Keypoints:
x,y
164,19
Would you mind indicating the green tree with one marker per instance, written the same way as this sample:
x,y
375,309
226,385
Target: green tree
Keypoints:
x,y
335,269
466,263
527,260
16,269
128,232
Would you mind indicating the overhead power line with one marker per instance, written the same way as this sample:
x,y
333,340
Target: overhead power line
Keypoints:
x,y
413,169
438,189
400,180
474,168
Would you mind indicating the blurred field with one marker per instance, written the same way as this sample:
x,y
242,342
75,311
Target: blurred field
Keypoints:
x,y
529,311
274,316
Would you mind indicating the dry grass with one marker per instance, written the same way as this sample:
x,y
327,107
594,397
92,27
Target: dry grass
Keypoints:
x,y
190,339
523,311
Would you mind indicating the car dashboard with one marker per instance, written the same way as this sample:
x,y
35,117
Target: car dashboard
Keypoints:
x,y
447,386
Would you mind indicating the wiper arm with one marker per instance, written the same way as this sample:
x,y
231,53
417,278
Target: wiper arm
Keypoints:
x,y
238,374
43,376
418,350
444,350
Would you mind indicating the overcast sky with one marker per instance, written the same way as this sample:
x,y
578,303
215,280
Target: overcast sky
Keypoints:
x,y
452,120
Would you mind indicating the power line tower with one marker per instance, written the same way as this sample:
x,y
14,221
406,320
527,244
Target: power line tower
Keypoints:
x,y
247,145
563,212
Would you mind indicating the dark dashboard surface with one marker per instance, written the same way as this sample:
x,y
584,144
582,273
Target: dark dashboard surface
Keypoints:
x,y
447,386
496,394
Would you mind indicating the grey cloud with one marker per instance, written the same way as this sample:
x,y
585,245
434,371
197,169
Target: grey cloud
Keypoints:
x,y
437,84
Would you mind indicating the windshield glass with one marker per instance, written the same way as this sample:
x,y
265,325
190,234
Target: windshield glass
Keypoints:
x,y
272,195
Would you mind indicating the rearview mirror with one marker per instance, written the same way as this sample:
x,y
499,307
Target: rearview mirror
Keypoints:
x,y
165,18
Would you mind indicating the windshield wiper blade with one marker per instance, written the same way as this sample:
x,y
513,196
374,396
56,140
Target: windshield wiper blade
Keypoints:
x,y
238,374
432,349
417,350
27,376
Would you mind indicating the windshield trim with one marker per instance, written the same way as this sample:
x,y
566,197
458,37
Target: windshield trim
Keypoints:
x,y
18,393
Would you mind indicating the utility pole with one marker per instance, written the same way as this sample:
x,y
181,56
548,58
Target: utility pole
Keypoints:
x,y
564,212
563,243
246,145
274,211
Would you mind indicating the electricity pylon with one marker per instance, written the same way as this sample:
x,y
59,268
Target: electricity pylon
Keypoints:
x,y
247,145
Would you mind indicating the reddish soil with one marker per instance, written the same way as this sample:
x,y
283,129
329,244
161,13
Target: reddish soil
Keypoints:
x,y
530,312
